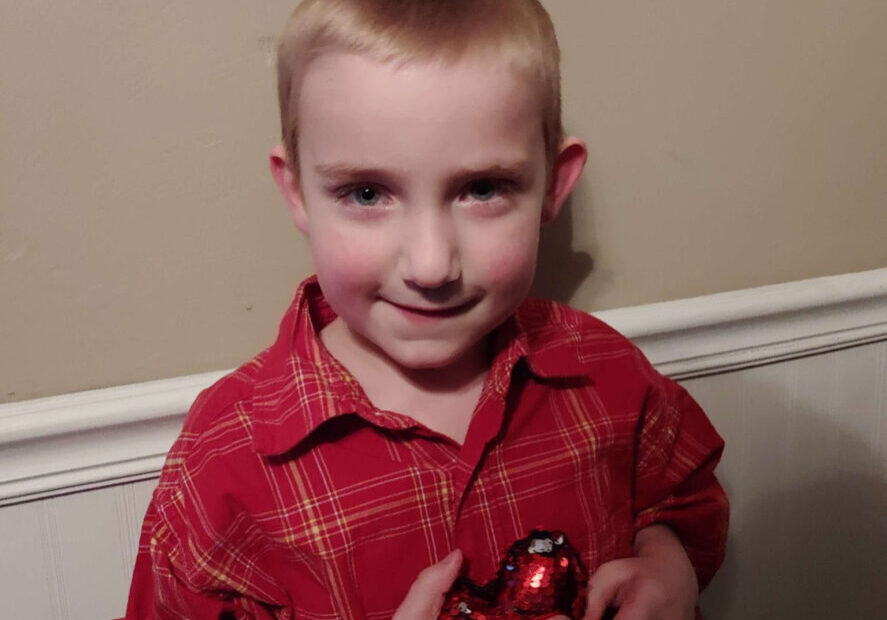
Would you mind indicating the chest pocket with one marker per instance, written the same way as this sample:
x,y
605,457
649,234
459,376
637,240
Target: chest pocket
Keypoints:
x,y
561,467
371,523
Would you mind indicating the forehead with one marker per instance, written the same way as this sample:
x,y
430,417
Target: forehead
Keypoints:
x,y
422,113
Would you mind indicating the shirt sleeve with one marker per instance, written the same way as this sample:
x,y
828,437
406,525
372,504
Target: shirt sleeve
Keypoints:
x,y
677,451
162,590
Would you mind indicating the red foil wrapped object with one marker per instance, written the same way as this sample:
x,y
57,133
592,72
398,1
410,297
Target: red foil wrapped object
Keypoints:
x,y
540,576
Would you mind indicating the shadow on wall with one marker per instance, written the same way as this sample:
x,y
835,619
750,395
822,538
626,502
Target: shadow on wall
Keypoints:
x,y
808,535
560,268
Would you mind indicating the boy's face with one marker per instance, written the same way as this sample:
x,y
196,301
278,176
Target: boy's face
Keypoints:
x,y
421,191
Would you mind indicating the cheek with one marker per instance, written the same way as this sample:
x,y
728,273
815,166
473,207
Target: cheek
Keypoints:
x,y
508,259
345,263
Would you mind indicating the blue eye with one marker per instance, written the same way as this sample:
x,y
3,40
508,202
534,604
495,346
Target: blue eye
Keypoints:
x,y
367,195
483,190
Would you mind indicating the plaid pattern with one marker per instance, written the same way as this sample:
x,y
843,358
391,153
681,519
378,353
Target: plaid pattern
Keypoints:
x,y
288,495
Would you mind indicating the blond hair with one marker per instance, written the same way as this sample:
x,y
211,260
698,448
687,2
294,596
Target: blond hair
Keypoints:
x,y
517,31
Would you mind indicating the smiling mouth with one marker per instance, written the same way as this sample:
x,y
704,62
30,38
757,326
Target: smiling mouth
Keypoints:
x,y
436,312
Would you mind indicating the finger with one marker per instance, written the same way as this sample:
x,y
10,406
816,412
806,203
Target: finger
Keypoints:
x,y
632,610
426,595
609,613
603,589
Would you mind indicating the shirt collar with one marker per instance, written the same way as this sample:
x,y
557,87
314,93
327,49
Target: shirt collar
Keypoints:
x,y
561,342
300,385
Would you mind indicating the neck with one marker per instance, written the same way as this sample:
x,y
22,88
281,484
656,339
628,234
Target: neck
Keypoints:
x,y
441,398
371,365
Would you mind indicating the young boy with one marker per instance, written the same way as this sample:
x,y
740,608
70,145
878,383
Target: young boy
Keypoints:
x,y
415,403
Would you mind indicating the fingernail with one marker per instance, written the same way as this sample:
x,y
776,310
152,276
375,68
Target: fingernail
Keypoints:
x,y
452,558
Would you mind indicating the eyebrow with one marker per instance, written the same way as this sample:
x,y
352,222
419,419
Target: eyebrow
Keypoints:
x,y
345,171
511,169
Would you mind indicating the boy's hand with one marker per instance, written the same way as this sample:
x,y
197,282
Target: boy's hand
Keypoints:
x,y
426,595
659,583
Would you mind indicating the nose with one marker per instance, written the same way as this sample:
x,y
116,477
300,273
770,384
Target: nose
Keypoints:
x,y
431,251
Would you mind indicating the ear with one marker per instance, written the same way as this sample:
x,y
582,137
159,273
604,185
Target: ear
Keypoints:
x,y
565,173
288,184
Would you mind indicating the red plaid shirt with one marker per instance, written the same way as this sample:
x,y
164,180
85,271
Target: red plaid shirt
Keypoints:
x,y
288,495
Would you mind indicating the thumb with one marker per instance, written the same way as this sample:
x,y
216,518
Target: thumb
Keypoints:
x,y
426,595
603,590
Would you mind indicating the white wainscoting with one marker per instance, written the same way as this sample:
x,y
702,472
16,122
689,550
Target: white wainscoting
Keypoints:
x,y
806,471
792,375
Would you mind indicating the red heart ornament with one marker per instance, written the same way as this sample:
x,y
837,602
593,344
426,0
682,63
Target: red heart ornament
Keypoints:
x,y
540,576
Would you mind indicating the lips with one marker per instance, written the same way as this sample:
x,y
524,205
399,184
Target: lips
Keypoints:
x,y
437,313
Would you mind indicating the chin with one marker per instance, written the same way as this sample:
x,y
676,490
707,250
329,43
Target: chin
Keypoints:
x,y
427,356
420,361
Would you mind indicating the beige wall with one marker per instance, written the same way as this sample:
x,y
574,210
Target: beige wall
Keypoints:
x,y
732,144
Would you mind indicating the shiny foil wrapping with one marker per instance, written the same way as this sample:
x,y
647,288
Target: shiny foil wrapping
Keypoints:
x,y
540,576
